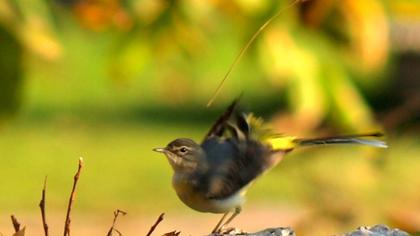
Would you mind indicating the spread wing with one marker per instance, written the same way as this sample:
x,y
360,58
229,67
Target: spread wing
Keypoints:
x,y
235,160
219,127
235,165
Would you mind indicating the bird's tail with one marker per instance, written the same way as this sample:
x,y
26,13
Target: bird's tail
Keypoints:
x,y
290,143
365,139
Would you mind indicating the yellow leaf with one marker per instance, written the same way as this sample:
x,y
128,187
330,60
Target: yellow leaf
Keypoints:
x,y
369,31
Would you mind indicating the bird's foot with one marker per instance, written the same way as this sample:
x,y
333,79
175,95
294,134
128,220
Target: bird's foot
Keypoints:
x,y
228,230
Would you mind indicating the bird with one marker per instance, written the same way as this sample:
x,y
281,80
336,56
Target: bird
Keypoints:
x,y
214,175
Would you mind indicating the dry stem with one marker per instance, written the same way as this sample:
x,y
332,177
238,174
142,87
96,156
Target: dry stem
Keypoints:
x,y
42,206
15,222
155,224
116,214
173,233
72,197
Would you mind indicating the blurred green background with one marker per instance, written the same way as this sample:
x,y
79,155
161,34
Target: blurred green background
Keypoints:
x,y
111,79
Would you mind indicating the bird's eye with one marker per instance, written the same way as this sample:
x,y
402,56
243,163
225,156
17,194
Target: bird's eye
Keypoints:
x,y
183,150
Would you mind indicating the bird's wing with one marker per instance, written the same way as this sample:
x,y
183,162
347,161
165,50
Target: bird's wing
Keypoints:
x,y
219,127
234,165
235,154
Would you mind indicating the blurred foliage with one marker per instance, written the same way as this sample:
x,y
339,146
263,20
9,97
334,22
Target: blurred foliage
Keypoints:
x,y
22,26
318,53
345,40
110,79
11,73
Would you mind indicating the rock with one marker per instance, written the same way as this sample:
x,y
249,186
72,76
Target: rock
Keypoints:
x,y
377,230
280,231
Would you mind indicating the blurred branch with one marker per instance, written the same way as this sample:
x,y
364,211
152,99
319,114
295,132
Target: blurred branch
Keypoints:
x,y
15,222
172,233
159,219
403,113
16,225
112,229
72,197
42,206
405,36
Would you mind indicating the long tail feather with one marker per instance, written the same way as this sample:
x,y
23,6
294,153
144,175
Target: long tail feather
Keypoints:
x,y
349,139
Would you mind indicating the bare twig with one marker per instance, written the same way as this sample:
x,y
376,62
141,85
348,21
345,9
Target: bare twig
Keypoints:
x,y
172,233
116,230
42,206
159,219
72,197
15,222
116,214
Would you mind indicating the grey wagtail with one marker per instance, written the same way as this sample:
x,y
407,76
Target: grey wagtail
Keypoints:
x,y
213,176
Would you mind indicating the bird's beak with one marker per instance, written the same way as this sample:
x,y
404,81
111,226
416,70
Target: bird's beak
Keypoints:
x,y
161,150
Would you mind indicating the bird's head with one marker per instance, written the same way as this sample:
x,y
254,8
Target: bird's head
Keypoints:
x,y
184,155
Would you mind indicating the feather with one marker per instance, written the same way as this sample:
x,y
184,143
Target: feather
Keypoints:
x,y
348,139
219,127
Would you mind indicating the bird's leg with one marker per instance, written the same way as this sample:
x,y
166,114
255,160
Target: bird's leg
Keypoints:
x,y
221,225
234,214
216,229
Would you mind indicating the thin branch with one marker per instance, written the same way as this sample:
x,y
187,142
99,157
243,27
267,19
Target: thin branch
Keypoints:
x,y
15,222
116,214
155,224
72,197
42,206
118,232
245,48
172,233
